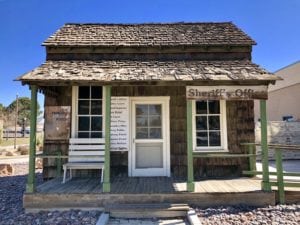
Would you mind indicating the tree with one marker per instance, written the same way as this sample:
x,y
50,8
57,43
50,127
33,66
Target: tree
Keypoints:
x,y
23,110
2,111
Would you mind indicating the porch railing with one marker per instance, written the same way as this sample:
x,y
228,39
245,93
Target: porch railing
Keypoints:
x,y
280,181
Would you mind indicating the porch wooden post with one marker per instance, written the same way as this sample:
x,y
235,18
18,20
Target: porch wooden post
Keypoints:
x,y
264,146
190,166
106,183
30,186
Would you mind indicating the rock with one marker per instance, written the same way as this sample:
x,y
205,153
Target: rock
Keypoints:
x,y
6,169
39,163
10,153
24,150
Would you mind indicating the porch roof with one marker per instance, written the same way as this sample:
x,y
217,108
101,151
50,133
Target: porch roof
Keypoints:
x,y
151,70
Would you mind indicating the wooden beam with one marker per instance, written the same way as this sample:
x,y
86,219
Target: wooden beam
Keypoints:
x,y
149,50
30,187
106,183
264,146
190,161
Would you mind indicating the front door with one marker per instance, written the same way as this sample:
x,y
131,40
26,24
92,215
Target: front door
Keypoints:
x,y
150,137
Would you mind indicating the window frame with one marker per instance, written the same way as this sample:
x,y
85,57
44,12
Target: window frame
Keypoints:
x,y
223,130
75,99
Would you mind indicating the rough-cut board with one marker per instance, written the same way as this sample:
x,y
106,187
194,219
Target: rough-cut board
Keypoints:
x,y
227,92
57,122
119,124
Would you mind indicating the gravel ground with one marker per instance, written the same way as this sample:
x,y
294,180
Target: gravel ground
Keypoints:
x,y
11,211
275,215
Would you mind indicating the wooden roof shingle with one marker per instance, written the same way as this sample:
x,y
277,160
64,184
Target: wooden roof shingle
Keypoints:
x,y
145,35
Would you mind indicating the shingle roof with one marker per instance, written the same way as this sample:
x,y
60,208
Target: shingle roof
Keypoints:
x,y
136,70
169,34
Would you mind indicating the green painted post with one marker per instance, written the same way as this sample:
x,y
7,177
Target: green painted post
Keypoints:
x,y
106,183
30,186
252,158
250,151
279,170
190,165
264,146
58,164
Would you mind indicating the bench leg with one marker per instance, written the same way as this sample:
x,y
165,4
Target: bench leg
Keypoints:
x,y
102,174
65,174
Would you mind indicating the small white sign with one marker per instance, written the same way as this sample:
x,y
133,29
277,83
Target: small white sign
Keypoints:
x,y
119,127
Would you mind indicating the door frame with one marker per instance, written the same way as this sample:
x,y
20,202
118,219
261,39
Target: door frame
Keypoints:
x,y
164,100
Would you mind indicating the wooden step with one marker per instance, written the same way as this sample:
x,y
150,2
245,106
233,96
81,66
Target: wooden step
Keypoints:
x,y
147,210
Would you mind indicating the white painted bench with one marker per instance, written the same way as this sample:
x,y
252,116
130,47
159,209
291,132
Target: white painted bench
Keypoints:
x,y
85,153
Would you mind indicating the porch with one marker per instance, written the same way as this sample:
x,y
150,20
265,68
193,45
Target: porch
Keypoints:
x,y
88,193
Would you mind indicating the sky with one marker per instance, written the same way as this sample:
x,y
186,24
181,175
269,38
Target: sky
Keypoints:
x,y
25,24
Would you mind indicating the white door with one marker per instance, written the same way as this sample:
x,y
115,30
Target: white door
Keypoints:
x,y
150,137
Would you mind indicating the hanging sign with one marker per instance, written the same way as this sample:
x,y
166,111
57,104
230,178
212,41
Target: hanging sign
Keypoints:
x,y
119,127
227,92
57,122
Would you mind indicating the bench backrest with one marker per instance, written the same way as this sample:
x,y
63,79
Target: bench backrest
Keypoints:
x,y
86,149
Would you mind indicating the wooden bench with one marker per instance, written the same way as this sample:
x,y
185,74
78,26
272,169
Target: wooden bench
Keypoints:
x,y
85,153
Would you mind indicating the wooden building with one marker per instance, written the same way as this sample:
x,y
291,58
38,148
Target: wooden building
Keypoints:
x,y
166,98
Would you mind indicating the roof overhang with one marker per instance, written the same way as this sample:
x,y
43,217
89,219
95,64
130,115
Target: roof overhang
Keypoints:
x,y
148,72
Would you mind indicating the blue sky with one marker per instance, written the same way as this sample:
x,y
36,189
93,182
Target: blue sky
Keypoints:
x,y
25,24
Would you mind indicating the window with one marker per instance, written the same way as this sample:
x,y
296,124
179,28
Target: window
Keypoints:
x,y
210,125
89,116
148,121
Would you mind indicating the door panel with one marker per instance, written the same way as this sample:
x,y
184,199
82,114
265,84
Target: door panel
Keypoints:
x,y
149,155
149,133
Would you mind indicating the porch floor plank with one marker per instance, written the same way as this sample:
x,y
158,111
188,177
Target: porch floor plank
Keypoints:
x,y
148,185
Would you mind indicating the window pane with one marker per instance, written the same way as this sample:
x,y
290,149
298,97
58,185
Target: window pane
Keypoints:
x,y
201,107
155,133
96,123
83,134
84,92
96,92
214,122
141,110
154,121
201,123
83,123
202,139
96,107
83,107
141,121
214,139
96,135
214,107
154,109
141,133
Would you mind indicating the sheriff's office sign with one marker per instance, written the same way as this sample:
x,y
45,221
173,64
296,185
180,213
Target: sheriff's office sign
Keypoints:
x,y
227,92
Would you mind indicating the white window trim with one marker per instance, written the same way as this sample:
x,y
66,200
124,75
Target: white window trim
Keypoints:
x,y
74,129
223,124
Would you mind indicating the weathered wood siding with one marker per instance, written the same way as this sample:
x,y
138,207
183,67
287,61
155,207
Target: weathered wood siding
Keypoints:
x,y
177,125
240,128
240,125
62,97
